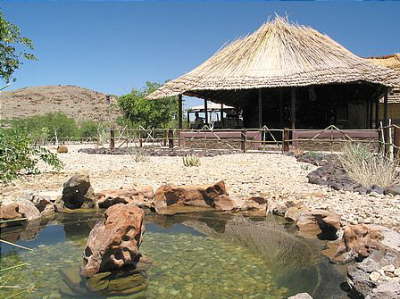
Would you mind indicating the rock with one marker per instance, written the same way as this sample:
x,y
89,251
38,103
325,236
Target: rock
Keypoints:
x,y
300,296
62,149
393,189
276,208
368,278
78,193
174,199
377,189
19,209
386,290
114,242
142,197
256,206
357,242
44,204
293,213
323,223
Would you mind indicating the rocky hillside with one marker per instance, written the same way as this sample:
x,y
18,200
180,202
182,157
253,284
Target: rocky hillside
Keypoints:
x,y
76,102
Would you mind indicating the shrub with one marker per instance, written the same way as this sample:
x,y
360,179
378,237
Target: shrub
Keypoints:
x,y
139,155
88,129
367,168
191,160
17,154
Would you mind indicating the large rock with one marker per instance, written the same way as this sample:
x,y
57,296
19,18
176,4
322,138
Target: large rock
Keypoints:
x,y
323,223
170,199
19,209
114,242
255,205
301,296
142,197
46,205
357,242
393,189
78,193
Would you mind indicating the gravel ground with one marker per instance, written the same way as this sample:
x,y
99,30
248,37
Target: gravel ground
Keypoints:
x,y
271,175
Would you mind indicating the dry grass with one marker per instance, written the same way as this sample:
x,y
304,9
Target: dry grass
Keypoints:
x,y
278,54
191,160
368,168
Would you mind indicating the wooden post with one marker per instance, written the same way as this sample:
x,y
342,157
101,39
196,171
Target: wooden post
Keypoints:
x,y
165,137
112,139
396,142
386,121
243,139
293,107
222,116
206,111
260,110
286,140
140,142
180,111
280,109
170,138
377,114
188,120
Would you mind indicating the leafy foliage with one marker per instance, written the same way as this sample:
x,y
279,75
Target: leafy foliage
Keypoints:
x,y
139,111
12,48
44,127
17,154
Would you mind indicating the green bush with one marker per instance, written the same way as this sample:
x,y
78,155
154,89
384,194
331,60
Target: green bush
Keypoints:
x,y
88,129
18,154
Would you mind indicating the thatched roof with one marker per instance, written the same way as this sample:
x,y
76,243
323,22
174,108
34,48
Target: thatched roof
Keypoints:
x,y
393,62
278,54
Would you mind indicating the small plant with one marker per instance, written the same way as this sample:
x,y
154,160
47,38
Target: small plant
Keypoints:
x,y
18,153
139,156
368,168
191,160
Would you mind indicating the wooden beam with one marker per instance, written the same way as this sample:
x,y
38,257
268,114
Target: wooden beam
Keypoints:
x,y
180,111
377,114
260,110
188,119
293,107
206,112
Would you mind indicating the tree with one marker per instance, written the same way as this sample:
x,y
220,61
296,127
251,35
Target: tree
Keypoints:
x,y
13,48
148,113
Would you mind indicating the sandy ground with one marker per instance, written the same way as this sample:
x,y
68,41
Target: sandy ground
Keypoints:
x,y
271,175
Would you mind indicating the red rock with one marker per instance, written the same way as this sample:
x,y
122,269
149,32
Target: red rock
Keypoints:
x,y
19,209
142,197
317,222
174,198
114,242
255,206
357,242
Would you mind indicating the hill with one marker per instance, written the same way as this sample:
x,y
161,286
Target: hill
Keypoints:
x,y
76,102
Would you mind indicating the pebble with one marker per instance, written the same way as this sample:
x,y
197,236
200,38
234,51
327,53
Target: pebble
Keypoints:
x,y
374,276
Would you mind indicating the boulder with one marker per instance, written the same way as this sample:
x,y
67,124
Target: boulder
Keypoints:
x,y
357,242
46,205
293,213
255,206
19,209
114,242
323,223
62,149
174,199
393,189
142,197
78,193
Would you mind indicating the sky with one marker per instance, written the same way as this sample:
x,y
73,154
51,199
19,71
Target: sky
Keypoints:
x,y
114,46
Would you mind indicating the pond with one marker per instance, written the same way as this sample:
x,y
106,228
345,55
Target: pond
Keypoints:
x,y
199,255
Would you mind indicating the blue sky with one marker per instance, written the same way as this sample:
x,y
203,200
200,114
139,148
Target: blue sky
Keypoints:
x,y
113,47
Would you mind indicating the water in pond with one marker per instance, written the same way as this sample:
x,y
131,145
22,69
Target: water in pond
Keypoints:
x,y
203,255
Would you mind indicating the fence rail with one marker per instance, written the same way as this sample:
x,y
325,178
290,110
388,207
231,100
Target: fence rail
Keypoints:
x,y
385,139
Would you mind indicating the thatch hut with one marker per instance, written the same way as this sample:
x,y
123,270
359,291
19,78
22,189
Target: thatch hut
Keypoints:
x,y
287,75
393,62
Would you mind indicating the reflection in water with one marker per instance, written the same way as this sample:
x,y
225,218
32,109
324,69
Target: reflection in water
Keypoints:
x,y
198,255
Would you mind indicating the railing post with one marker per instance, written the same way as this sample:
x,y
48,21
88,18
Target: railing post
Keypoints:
x,y
170,138
286,139
165,137
112,137
243,138
140,142
396,148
